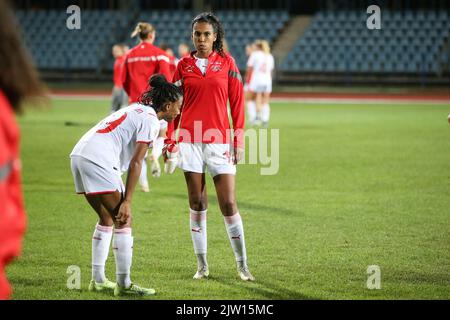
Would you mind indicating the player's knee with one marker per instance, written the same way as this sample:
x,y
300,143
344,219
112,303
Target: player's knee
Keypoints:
x,y
120,225
228,208
106,221
198,203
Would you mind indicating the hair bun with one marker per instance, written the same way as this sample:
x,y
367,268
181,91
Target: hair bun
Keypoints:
x,y
157,80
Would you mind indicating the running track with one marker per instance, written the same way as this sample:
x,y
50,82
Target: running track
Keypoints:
x,y
337,98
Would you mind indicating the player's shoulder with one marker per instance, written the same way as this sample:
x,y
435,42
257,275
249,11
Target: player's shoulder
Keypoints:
x,y
133,51
187,59
228,59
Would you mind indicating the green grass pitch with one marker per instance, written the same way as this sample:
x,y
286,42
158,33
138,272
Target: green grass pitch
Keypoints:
x,y
358,185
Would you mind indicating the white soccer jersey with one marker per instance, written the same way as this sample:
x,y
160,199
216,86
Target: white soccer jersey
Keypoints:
x,y
111,143
262,64
163,124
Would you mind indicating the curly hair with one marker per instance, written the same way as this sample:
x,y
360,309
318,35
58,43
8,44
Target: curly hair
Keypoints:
x,y
161,93
210,18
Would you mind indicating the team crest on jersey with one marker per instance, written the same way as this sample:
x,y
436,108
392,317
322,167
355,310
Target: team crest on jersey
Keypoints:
x,y
190,69
216,66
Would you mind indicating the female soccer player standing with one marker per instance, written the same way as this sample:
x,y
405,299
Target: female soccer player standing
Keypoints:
x,y
140,64
120,140
209,79
259,79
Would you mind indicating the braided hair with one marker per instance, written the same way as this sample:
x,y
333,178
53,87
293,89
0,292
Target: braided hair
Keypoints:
x,y
210,18
161,93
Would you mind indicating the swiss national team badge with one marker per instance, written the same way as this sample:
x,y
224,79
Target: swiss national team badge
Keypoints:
x,y
216,66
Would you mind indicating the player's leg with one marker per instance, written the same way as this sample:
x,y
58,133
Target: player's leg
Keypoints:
x,y
198,205
143,178
225,189
123,248
116,100
258,102
251,107
158,145
123,98
101,241
265,112
84,172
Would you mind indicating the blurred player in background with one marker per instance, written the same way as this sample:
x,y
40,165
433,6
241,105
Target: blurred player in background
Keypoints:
x,y
140,64
120,140
259,79
183,50
119,96
209,79
172,59
18,80
251,105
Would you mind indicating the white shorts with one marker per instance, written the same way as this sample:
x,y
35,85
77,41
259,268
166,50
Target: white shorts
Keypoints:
x,y
260,86
197,157
90,178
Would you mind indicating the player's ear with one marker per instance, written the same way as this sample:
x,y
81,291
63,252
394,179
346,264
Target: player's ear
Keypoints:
x,y
166,107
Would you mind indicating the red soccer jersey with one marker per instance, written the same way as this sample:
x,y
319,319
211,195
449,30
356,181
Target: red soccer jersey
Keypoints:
x,y
118,69
140,64
12,212
204,116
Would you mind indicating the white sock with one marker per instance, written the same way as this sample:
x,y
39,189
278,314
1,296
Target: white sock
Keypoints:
x,y
199,235
101,241
123,253
235,230
143,177
251,110
157,147
265,113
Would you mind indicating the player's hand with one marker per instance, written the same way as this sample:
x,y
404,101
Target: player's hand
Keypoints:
x,y
239,154
124,213
167,144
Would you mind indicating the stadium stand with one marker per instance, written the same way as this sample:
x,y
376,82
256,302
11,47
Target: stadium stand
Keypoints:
x,y
89,47
173,28
339,41
56,47
336,42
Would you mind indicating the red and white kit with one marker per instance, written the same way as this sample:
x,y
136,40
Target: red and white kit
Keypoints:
x,y
205,136
140,64
105,151
262,65
12,210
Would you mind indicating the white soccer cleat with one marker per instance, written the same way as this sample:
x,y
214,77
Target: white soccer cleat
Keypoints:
x,y
245,274
202,273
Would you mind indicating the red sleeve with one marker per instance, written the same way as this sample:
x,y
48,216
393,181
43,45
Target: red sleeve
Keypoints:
x,y
236,97
173,125
126,76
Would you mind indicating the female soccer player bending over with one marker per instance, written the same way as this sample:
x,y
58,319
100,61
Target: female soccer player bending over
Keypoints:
x,y
120,140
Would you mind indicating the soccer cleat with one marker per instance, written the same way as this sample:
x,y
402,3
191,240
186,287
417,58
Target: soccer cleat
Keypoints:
x,y
202,273
156,169
133,290
107,285
245,274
